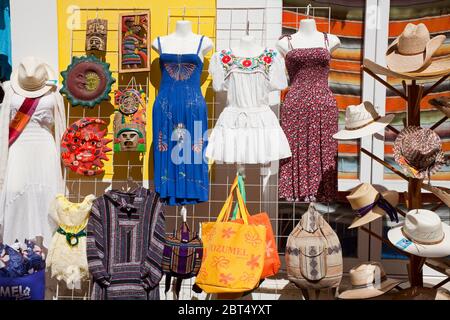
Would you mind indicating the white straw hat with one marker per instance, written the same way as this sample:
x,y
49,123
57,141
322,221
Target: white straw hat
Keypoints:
x,y
423,234
362,120
32,78
368,281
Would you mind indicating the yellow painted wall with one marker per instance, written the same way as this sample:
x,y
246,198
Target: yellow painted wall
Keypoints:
x,y
72,40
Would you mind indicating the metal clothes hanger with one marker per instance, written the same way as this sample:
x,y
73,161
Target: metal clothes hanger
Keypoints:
x,y
184,214
307,10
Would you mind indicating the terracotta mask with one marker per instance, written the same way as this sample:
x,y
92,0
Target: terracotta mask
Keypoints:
x,y
84,146
96,34
129,132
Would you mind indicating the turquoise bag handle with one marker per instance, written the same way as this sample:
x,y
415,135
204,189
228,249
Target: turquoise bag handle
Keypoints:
x,y
241,187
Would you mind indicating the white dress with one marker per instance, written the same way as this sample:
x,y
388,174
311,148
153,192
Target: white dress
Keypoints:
x,y
68,261
33,176
247,130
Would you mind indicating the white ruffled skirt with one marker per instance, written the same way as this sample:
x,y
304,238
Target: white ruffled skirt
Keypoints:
x,y
33,179
248,136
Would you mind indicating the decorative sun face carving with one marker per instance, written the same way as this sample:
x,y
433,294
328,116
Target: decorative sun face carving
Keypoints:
x,y
87,81
84,146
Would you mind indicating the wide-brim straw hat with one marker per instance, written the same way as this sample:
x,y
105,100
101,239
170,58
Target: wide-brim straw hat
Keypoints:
x,y
412,50
427,225
369,281
362,120
367,293
436,69
366,193
33,78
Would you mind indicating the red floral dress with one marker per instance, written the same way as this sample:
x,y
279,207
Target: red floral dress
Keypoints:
x,y
309,118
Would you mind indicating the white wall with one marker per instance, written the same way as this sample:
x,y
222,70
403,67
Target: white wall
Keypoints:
x,y
34,31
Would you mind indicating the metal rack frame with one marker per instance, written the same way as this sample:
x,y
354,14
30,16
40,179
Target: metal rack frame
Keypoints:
x,y
73,192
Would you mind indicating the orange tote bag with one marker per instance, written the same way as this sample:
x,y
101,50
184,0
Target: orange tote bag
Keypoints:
x,y
272,261
233,253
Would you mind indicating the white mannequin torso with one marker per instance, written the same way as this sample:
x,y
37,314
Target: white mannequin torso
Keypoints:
x,y
183,41
308,37
247,47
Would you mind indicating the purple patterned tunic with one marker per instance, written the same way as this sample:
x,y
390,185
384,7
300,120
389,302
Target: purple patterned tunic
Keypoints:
x,y
125,241
309,118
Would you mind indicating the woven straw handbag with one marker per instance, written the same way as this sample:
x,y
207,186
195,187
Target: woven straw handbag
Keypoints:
x,y
313,253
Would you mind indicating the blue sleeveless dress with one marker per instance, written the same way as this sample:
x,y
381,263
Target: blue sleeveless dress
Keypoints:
x,y
180,130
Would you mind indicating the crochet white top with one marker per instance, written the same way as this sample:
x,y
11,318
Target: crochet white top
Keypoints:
x,y
67,253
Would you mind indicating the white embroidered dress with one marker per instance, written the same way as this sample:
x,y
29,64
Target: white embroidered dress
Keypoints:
x,y
32,176
247,130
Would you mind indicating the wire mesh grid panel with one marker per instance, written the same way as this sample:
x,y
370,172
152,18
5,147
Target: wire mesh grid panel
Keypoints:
x,y
231,25
339,214
121,165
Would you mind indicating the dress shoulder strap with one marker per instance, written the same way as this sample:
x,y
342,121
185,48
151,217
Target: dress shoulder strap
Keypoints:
x,y
325,39
159,46
200,45
289,37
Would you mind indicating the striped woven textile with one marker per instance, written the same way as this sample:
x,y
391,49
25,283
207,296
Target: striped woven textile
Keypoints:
x,y
346,22
125,242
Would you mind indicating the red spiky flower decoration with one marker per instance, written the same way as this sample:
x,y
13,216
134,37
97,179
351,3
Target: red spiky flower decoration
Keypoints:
x,y
84,146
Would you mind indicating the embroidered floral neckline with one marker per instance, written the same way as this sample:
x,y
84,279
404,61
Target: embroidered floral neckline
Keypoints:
x,y
248,64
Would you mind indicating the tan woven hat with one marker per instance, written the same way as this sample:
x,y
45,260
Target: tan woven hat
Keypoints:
x,y
371,204
362,120
419,152
413,49
368,281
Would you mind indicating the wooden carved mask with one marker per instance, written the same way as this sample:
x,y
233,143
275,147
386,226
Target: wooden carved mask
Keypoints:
x,y
96,34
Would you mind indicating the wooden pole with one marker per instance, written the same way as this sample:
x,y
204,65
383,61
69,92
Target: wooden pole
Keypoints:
x,y
384,163
415,93
437,124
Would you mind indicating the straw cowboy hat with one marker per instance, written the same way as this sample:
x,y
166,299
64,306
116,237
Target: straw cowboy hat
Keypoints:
x,y
362,120
32,78
423,234
438,68
419,151
413,49
371,204
368,281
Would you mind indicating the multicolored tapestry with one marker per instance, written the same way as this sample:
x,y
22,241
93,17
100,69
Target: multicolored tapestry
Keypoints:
x,y
134,46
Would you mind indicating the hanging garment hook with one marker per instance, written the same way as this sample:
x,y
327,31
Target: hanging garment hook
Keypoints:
x,y
184,213
184,12
247,29
307,10
240,170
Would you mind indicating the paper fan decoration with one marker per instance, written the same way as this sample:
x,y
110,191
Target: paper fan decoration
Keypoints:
x,y
84,146
87,81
